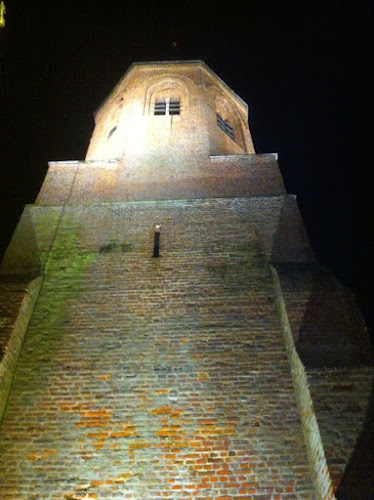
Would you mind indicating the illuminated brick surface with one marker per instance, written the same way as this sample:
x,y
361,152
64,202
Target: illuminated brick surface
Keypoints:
x,y
129,109
198,374
154,378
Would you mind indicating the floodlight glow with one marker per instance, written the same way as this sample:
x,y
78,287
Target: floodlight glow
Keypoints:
x,y
2,14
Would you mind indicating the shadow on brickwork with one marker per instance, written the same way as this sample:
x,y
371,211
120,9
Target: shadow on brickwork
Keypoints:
x,y
335,348
357,482
13,289
330,330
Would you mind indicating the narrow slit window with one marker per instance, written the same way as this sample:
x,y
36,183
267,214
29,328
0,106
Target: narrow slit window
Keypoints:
x,y
225,126
112,132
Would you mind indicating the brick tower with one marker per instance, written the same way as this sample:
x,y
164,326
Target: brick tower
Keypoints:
x,y
164,322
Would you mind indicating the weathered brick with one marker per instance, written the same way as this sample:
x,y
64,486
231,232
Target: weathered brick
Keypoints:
x,y
173,377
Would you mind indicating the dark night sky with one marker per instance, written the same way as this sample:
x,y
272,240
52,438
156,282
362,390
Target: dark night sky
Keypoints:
x,y
304,68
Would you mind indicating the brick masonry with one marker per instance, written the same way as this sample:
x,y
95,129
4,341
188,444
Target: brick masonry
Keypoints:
x,y
16,306
152,178
233,366
151,377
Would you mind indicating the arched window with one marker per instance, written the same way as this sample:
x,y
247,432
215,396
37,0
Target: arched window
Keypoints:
x,y
167,97
229,120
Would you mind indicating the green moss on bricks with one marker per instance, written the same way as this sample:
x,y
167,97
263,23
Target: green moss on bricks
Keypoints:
x,y
64,272
66,261
127,247
116,247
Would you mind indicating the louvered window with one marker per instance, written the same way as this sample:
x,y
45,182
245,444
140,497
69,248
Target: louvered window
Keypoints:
x,y
225,126
160,107
174,107
167,107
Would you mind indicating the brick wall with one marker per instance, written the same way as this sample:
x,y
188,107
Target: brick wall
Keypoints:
x,y
220,230
315,447
341,398
17,301
154,378
161,177
334,347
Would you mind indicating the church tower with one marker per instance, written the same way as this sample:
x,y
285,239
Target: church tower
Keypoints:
x,y
166,329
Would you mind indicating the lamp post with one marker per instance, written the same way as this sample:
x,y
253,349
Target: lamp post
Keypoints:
x,y
156,245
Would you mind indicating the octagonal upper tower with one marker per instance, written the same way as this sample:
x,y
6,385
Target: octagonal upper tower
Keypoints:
x,y
171,107
169,130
